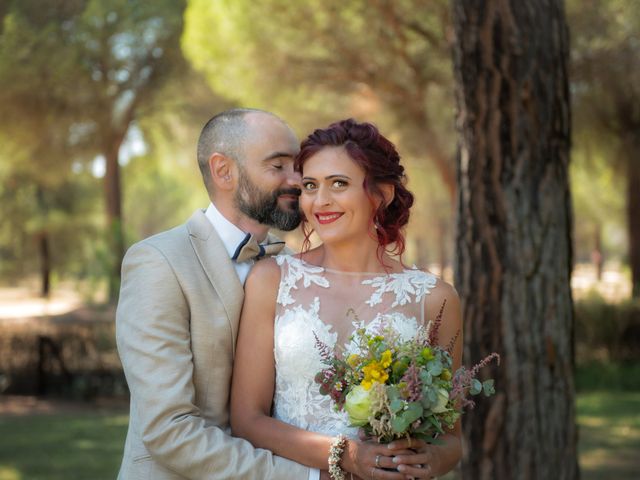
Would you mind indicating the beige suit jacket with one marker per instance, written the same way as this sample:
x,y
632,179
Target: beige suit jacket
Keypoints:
x,y
176,328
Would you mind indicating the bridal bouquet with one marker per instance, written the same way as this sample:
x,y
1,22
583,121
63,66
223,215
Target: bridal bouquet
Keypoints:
x,y
393,388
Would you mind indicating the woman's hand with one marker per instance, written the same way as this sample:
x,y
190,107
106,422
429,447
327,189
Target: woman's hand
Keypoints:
x,y
369,460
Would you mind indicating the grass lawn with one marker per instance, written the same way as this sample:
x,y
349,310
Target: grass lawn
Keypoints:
x,y
79,446
86,446
609,435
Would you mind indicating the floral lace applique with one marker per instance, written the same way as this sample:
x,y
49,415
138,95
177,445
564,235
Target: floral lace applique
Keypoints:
x,y
404,284
297,270
297,399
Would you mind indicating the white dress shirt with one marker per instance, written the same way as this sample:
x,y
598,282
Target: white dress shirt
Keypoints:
x,y
231,237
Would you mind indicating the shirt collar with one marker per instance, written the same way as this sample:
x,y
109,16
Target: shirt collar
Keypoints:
x,y
230,235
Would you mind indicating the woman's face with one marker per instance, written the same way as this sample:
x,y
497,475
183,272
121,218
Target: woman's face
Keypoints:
x,y
333,198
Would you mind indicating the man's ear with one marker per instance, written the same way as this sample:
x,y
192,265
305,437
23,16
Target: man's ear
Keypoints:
x,y
388,192
223,171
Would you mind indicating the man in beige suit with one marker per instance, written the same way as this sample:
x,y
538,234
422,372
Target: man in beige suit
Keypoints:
x,y
180,302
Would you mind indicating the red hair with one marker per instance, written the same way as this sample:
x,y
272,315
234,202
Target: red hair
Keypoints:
x,y
379,159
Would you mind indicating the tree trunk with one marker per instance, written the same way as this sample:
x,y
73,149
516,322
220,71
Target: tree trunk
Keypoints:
x,y
633,210
597,257
113,198
42,239
45,264
513,244
443,243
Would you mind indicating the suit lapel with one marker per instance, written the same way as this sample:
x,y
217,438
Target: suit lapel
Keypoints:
x,y
218,266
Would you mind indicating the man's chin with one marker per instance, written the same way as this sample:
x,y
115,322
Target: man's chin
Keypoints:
x,y
288,204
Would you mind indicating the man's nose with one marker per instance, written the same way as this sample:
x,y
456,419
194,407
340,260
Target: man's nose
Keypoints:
x,y
293,178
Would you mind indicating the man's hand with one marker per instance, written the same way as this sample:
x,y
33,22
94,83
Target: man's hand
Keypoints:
x,y
417,465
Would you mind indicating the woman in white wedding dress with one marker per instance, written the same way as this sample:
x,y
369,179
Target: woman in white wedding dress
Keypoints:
x,y
354,198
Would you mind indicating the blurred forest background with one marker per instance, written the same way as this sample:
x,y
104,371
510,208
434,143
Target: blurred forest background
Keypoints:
x,y
102,102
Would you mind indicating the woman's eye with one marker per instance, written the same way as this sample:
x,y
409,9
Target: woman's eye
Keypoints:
x,y
339,184
308,185
277,166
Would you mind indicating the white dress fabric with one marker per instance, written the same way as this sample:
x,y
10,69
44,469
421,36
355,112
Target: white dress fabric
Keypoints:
x,y
330,305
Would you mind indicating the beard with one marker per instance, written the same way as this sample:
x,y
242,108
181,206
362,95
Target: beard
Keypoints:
x,y
262,206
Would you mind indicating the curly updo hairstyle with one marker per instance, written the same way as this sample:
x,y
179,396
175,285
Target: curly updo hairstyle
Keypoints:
x,y
380,161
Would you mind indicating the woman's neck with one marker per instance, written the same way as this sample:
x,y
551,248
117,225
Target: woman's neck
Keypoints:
x,y
350,257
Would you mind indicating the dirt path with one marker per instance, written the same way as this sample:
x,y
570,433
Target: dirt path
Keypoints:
x,y
18,405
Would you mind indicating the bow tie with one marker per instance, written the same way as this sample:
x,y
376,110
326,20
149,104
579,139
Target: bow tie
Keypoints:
x,y
250,249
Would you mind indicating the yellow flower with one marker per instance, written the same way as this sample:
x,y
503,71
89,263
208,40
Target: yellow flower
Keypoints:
x,y
427,354
386,359
374,372
353,360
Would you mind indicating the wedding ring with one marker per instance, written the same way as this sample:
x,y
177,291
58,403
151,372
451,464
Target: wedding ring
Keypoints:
x,y
378,461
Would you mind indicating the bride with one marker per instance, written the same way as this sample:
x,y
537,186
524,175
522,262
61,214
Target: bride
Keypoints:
x,y
354,198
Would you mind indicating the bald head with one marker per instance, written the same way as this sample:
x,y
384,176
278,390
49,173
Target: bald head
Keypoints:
x,y
227,133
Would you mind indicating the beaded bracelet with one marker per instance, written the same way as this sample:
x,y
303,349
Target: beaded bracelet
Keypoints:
x,y
335,455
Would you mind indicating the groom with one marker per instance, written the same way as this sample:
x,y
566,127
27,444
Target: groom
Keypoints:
x,y
180,303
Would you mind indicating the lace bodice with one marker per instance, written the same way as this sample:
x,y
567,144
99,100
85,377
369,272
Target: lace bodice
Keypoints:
x,y
314,301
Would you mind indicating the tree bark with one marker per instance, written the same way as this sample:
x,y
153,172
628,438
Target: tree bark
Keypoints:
x,y
113,201
513,244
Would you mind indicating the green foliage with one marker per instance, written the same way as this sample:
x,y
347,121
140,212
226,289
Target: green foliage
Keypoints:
x,y
607,330
601,376
606,73
73,77
318,61
155,199
605,97
65,212
599,202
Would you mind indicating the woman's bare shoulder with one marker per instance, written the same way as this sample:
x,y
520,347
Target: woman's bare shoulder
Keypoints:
x,y
264,277
440,291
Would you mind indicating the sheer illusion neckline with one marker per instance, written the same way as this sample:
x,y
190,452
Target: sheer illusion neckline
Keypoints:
x,y
355,274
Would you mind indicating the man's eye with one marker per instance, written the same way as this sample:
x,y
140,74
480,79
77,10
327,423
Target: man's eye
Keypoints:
x,y
277,166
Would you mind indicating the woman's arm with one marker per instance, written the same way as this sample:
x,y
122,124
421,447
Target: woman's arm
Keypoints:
x,y
437,460
253,387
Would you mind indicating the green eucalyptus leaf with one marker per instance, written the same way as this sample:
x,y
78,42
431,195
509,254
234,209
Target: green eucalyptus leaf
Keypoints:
x,y
425,377
396,405
393,393
435,368
399,424
476,387
488,387
413,412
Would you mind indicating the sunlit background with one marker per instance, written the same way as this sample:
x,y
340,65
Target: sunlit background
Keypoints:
x,y
102,102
